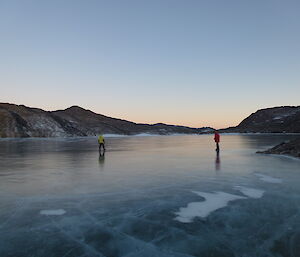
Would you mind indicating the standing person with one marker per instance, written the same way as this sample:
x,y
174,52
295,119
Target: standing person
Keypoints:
x,y
217,140
101,142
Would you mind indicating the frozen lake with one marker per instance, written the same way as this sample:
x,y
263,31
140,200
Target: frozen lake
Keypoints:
x,y
148,196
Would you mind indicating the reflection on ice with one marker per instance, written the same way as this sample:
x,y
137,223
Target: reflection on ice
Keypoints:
x,y
213,201
218,162
268,179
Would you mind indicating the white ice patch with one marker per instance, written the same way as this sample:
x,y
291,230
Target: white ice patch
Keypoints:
x,y
213,201
268,179
53,212
136,135
250,192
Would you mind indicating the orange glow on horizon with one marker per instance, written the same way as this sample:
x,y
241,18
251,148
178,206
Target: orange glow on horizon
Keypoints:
x,y
212,118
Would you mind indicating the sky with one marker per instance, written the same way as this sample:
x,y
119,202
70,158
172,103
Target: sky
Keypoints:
x,y
185,62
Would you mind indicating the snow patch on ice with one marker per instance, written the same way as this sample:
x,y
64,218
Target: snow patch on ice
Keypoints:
x,y
146,135
213,201
53,212
139,135
250,192
268,179
114,135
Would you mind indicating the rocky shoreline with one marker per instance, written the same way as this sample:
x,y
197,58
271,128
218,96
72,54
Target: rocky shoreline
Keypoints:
x,y
291,148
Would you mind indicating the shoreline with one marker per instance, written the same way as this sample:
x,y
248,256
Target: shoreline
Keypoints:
x,y
290,148
147,135
280,155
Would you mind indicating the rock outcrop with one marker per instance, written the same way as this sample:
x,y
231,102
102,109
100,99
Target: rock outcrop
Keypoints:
x,y
291,148
284,119
22,121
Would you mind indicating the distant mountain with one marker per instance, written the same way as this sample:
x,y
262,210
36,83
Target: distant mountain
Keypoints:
x,y
22,121
284,119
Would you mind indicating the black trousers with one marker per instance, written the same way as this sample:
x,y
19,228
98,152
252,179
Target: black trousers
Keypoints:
x,y
101,145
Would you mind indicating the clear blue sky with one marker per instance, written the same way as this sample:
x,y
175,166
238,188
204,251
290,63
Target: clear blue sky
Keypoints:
x,y
196,63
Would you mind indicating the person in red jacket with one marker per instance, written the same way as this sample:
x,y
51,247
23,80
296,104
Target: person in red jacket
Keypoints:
x,y
217,140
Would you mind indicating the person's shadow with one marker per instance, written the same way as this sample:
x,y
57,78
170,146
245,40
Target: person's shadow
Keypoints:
x,y
218,162
101,159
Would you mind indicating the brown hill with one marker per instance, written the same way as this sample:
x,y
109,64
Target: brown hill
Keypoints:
x,y
22,121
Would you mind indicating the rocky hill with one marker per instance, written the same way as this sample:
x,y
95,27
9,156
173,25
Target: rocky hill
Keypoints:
x,y
22,121
291,148
284,119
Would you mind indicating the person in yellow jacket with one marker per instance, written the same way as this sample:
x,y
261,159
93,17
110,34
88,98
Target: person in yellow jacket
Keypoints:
x,y
101,142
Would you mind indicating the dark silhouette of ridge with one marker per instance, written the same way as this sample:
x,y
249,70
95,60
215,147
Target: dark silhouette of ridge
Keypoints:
x,y
23,121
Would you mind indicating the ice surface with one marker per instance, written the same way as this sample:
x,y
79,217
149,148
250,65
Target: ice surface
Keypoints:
x,y
213,202
250,192
141,135
53,212
268,179
58,197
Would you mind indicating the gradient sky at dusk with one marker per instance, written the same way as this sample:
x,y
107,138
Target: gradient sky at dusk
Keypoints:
x,y
196,63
